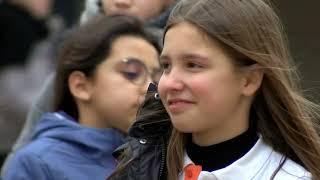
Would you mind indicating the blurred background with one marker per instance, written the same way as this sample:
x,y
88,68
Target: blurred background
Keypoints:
x,y
20,81
30,33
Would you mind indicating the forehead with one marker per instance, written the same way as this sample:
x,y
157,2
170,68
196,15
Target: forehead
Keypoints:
x,y
188,37
134,47
187,40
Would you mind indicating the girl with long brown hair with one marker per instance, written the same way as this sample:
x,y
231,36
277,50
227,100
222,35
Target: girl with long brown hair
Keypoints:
x,y
234,108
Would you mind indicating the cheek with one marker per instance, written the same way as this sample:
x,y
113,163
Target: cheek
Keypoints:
x,y
121,102
125,93
128,96
214,89
202,86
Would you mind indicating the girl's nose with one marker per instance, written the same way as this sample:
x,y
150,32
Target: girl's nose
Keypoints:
x,y
171,82
123,3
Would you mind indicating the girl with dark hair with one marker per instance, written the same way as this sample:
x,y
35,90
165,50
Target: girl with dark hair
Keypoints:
x,y
232,107
103,70
153,13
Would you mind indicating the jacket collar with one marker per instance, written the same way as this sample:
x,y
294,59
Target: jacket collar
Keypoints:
x,y
143,129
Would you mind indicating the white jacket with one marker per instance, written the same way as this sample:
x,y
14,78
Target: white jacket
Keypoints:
x,y
258,164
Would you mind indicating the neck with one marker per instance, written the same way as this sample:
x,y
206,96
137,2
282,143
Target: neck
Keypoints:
x,y
91,123
91,119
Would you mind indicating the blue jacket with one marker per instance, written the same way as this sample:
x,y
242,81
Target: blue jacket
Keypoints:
x,y
63,149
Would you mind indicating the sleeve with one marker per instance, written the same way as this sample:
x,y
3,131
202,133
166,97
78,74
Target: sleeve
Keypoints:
x,y
26,166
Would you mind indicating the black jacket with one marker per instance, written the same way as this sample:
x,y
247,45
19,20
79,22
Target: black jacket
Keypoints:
x,y
146,146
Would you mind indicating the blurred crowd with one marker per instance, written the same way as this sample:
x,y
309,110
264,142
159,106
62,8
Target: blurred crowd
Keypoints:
x,y
30,34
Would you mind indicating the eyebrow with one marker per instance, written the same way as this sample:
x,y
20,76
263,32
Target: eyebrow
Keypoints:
x,y
185,56
194,56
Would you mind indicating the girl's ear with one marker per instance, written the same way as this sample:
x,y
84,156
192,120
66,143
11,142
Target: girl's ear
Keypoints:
x,y
80,86
252,80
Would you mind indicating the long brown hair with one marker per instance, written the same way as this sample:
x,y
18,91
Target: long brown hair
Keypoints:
x,y
286,120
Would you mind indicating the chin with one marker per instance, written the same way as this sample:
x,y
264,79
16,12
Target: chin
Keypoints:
x,y
182,126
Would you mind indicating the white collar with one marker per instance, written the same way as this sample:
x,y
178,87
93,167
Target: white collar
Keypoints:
x,y
251,163
259,161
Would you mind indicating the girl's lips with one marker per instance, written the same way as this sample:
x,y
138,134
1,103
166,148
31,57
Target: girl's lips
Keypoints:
x,y
178,105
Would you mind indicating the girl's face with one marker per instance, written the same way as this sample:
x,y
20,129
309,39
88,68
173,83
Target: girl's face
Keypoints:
x,y
120,82
200,87
143,9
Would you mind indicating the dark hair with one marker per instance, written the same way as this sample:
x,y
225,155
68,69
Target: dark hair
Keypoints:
x,y
86,47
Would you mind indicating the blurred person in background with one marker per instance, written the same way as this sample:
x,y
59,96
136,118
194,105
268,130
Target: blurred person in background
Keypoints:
x,y
103,70
153,12
24,24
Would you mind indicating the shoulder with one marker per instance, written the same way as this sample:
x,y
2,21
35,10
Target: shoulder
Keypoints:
x,y
264,163
29,165
37,151
37,160
290,169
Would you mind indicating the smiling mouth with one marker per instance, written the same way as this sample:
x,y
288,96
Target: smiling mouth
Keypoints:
x,y
178,105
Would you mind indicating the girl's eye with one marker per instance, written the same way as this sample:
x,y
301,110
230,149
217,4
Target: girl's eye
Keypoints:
x,y
133,72
193,65
131,75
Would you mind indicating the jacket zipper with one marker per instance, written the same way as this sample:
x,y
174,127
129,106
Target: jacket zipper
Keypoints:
x,y
162,163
